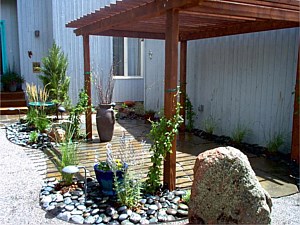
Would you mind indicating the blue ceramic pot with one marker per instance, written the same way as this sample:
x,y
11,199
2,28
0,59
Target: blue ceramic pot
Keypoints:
x,y
106,179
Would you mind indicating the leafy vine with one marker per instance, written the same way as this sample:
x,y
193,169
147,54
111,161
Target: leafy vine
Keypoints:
x,y
162,134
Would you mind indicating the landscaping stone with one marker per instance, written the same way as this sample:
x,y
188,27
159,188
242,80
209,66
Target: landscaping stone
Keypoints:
x,y
77,219
135,218
69,207
89,219
123,217
65,216
225,190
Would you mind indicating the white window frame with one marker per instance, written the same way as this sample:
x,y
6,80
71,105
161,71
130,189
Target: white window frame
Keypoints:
x,y
142,61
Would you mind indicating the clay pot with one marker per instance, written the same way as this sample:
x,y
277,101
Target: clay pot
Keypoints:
x,y
105,120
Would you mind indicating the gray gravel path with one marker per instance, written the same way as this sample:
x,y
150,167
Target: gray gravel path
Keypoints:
x,y
20,186
21,183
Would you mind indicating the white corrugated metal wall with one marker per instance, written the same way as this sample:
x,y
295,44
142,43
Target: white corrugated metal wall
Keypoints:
x,y
245,79
100,50
50,17
9,15
33,15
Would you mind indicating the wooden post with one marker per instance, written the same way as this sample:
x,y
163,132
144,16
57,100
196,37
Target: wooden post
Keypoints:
x,y
183,58
87,85
171,72
296,115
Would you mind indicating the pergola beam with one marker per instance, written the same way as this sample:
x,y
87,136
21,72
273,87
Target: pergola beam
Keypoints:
x,y
150,10
246,10
171,73
132,34
240,28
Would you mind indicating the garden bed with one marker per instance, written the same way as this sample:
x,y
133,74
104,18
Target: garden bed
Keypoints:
x,y
68,203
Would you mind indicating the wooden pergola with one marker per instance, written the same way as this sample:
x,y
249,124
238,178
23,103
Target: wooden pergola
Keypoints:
x,y
180,21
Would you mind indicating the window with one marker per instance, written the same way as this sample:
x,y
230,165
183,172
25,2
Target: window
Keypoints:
x,y
128,55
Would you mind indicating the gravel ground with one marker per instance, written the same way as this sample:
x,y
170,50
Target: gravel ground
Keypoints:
x,y
21,183
20,187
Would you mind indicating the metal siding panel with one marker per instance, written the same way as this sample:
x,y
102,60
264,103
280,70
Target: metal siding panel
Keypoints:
x,y
100,49
246,79
154,78
28,22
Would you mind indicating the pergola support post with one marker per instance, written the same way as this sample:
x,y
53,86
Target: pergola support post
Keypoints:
x,y
183,62
295,134
87,85
170,100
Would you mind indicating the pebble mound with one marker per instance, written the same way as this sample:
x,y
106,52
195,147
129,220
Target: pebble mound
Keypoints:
x,y
99,209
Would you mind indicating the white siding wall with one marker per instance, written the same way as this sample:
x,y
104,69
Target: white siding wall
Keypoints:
x,y
33,15
100,49
9,14
154,78
244,79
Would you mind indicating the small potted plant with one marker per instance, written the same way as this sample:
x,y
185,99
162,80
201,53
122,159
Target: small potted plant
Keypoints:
x,y
106,170
11,80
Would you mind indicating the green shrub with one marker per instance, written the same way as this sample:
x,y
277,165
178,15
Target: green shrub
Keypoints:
x,y
128,189
42,122
240,133
186,198
69,155
33,137
54,76
275,143
209,125
31,116
189,114
76,112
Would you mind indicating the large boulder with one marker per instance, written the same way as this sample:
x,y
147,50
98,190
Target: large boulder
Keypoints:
x,y
226,190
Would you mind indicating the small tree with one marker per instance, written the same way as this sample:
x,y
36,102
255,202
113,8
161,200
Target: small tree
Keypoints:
x,y
54,76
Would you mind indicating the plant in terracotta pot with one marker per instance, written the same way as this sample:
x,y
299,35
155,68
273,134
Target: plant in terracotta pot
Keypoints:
x,y
105,117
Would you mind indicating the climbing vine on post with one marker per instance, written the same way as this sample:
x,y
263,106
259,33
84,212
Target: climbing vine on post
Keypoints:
x,y
162,134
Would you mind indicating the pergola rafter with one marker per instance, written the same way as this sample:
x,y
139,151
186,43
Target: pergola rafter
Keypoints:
x,y
180,21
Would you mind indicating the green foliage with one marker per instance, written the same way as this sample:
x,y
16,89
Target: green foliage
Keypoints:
x,y
162,134
69,155
186,198
41,122
31,116
76,112
275,143
209,125
239,133
33,137
37,118
189,114
54,76
128,189
11,77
